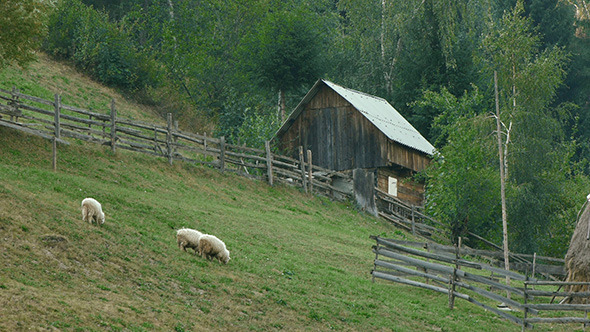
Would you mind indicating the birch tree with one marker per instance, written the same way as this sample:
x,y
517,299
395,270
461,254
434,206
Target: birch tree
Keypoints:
x,y
527,132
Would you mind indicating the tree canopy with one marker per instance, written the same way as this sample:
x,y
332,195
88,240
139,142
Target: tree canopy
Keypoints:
x,y
23,24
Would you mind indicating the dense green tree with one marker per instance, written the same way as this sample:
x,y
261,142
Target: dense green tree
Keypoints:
x,y
23,27
463,185
97,46
285,52
400,48
553,19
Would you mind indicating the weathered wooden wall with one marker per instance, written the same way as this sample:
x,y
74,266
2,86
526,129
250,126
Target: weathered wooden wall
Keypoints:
x,y
401,155
342,138
408,190
364,190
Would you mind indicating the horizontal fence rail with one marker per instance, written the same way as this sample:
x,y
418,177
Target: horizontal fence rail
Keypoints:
x,y
448,270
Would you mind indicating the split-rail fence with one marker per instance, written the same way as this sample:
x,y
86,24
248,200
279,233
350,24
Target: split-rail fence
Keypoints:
x,y
54,120
449,270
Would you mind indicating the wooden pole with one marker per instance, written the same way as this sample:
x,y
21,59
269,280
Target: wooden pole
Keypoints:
x,y
113,125
222,154
14,99
169,138
526,311
502,184
268,162
174,137
310,172
375,262
54,153
413,222
454,275
155,140
534,266
57,132
302,167
57,105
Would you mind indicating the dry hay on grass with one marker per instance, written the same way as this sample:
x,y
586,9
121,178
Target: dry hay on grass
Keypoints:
x,y
577,259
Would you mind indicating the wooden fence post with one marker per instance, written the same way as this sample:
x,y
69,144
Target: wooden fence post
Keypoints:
x,y
222,153
169,138
113,125
57,105
155,139
526,311
534,265
175,138
413,221
57,131
54,153
302,167
268,162
375,261
454,275
14,99
310,172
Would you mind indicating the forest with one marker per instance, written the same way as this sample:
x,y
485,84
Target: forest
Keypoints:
x,y
237,67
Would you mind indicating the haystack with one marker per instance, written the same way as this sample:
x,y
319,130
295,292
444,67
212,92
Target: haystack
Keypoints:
x,y
577,259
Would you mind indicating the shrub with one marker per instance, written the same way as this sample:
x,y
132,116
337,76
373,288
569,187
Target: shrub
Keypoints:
x,y
97,46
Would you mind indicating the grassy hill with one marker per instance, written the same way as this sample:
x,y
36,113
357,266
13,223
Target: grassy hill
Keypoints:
x,y
299,262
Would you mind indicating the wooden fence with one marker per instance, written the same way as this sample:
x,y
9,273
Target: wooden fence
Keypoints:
x,y
53,120
411,219
447,270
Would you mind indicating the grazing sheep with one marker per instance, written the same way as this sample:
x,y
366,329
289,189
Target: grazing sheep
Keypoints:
x,y
188,238
91,210
212,247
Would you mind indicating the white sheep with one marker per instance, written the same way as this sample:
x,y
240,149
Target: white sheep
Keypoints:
x,y
188,238
91,210
212,247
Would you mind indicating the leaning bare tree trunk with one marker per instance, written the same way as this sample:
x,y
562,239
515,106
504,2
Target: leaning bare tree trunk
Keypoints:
x,y
281,106
577,259
502,183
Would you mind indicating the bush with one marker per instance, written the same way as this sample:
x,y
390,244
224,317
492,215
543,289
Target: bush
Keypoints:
x,y
97,46
247,119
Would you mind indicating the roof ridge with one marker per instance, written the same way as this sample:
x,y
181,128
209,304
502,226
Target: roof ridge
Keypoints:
x,y
355,91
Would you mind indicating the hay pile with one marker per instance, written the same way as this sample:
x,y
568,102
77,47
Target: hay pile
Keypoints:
x,y
577,259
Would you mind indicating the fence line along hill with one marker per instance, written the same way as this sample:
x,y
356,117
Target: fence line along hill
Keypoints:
x,y
53,120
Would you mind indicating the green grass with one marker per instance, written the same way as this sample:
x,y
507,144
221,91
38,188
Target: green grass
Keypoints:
x,y
298,262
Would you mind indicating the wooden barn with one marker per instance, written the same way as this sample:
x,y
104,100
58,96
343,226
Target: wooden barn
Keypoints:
x,y
348,130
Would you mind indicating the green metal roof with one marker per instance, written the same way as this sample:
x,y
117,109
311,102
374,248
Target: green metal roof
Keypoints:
x,y
377,110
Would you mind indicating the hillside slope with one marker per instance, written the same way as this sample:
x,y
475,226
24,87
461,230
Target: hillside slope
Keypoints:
x,y
298,262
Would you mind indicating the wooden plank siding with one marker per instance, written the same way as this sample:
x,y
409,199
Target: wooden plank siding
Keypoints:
x,y
407,190
342,138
